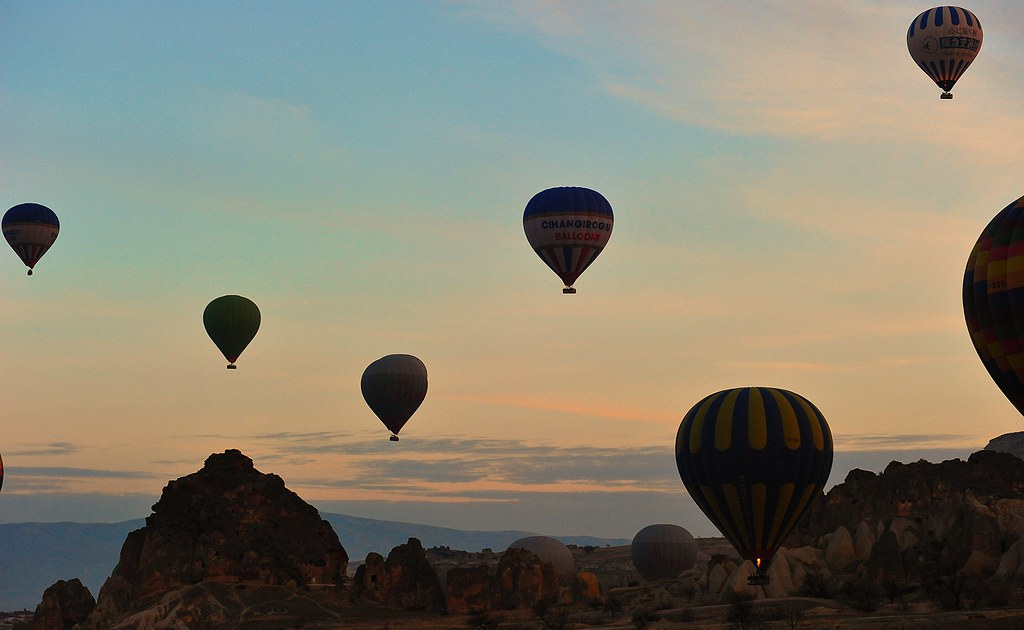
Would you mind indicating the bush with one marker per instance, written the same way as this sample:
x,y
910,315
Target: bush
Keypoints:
x,y
862,595
558,619
613,605
644,617
818,585
741,610
483,619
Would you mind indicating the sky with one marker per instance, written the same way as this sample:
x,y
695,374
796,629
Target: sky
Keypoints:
x,y
794,207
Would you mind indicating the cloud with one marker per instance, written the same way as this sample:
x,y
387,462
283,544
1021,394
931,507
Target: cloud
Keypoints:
x,y
470,468
53,448
19,480
902,442
63,472
821,71
602,410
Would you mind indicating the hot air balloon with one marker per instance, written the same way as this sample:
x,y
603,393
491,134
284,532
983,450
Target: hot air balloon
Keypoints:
x,y
231,321
993,296
549,550
30,229
754,459
663,551
944,41
568,227
1,473
394,388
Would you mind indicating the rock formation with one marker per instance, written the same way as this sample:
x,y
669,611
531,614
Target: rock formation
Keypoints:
x,y
406,580
64,604
221,540
1012,443
520,580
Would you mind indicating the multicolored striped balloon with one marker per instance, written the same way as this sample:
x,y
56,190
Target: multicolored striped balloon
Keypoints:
x,y
944,41
754,459
30,229
568,227
994,300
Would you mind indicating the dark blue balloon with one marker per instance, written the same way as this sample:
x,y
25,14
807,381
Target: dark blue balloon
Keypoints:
x,y
30,230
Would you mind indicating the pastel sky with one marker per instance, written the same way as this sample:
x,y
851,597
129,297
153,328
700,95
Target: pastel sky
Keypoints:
x,y
794,207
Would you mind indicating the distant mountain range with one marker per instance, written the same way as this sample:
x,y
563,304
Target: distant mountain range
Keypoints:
x,y
35,555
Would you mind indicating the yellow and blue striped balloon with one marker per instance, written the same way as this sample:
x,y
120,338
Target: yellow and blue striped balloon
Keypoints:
x,y
754,459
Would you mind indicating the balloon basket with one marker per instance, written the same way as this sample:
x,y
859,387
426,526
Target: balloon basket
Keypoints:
x,y
757,579
946,96
569,290
30,272
393,438
232,366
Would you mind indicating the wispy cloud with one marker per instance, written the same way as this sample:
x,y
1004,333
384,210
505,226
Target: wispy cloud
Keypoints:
x,y
520,401
454,467
822,71
53,448
63,472
905,441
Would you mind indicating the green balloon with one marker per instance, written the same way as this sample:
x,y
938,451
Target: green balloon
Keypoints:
x,y
232,322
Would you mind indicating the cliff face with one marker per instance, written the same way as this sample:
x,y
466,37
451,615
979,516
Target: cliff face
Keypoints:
x,y
227,524
920,522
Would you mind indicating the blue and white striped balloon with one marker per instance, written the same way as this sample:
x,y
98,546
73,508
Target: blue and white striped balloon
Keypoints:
x,y
944,41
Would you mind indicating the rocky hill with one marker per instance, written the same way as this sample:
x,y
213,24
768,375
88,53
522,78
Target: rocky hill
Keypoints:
x,y
229,546
35,555
225,541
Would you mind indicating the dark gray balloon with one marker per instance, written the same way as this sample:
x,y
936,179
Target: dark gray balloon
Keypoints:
x,y
663,551
394,388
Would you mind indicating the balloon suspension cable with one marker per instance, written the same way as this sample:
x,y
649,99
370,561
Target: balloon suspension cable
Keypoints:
x,y
232,366
946,96
393,438
569,290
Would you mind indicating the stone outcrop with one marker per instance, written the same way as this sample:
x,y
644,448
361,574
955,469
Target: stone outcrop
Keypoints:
x,y
64,604
226,525
915,523
1012,443
520,580
405,580
468,589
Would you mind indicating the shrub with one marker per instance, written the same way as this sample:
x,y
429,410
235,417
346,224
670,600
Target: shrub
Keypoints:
x,y
818,585
862,595
741,610
613,605
644,617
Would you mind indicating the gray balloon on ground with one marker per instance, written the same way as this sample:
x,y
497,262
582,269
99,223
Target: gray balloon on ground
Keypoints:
x,y
549,550
663,551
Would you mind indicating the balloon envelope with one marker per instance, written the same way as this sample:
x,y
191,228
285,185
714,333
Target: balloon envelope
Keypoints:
x,y
394,388
993,296
549,550
30,229
754,459
568,227
663,551
231,321
944,41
